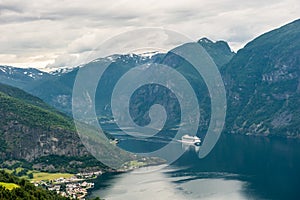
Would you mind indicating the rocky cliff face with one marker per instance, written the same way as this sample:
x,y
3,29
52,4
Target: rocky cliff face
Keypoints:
x,y
30,131
28,143
263,82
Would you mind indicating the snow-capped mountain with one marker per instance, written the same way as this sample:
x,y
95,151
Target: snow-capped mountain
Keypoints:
x,y
62,70
21,77
31,73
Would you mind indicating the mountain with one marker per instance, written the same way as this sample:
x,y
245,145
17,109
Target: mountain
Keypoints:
x,y
21,77
56,88
263,84
262,81
32,132
29,131
57,91
219,51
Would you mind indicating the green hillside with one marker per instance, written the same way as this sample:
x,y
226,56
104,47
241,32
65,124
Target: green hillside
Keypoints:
x,y
46,139
263,85
13,188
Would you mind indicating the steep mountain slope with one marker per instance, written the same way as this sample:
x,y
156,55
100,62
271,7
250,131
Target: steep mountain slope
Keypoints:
x,y
20,94
56,90
30,131
263,84
219,51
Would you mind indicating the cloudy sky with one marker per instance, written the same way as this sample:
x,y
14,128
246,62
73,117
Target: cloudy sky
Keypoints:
x,y
59,33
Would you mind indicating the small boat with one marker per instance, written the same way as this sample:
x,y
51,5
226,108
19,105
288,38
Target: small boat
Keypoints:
x,y
191,140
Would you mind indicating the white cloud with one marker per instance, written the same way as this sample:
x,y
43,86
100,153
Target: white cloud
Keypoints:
x,y
53,33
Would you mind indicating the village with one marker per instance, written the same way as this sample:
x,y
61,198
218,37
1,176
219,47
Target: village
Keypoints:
x,y
75,187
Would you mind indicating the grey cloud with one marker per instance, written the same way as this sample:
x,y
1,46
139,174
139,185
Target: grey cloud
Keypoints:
x,y
61,29
4,7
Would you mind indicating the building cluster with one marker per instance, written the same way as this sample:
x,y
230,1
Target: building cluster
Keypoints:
x,y
76,190
75,187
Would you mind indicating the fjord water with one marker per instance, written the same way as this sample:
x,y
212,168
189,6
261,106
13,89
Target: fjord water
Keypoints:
x,y
239,167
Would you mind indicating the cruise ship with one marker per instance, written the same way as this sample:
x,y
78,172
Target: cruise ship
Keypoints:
x,y
191,140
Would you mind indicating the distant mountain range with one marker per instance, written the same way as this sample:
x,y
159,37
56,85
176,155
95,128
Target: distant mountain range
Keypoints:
x,y
21,77
261,80
56,88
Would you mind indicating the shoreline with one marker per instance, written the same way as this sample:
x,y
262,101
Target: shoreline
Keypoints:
x,y
110,174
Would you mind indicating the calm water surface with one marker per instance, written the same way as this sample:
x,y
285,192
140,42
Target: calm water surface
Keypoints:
x,y
239,167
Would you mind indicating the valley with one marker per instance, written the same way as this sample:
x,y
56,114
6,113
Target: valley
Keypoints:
x,y
40,147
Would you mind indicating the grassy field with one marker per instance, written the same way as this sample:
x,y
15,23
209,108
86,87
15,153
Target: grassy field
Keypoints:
x,y
17,170
38,176
134,164
9,186
8,171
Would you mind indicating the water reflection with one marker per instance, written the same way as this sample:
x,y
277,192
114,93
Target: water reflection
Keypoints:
x,y
152,184
141,185
239,167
